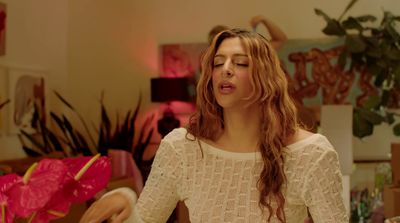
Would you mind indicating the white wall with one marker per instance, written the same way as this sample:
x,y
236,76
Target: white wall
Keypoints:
x,y
36,38
114,46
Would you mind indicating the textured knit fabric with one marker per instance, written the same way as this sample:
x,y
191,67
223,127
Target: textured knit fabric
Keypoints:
x,y
220,186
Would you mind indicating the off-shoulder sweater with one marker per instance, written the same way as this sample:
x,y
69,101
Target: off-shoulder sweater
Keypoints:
x,y
221,186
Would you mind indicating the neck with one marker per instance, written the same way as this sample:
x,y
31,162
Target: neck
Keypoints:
x,y
241,129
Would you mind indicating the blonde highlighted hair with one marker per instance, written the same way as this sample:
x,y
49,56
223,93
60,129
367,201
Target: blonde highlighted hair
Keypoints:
x,y
278,112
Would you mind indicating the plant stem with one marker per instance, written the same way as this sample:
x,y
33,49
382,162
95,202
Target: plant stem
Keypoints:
x,y
32,217
28,173
86,167
3,213
348,7
56,213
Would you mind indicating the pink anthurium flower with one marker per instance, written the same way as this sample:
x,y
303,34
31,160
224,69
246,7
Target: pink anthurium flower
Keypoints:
x,y
56,208
39,184
7,181
87,176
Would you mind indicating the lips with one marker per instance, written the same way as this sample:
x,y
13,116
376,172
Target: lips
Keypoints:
x,y
226,87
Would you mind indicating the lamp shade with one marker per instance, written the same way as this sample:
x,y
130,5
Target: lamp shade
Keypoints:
x,y
170,89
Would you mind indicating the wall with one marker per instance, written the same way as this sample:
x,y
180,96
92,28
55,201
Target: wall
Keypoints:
x,y
36,38
89,46
114,47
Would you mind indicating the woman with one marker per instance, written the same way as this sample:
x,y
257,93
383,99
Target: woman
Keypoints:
x,y
243,157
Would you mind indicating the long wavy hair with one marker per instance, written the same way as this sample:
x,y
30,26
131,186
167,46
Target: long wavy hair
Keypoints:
x,y
278,112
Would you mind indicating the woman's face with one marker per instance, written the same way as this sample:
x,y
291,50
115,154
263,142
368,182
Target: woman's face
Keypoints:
x,y
231,74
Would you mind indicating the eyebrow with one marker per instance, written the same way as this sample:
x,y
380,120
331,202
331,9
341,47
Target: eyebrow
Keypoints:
x,y
234,55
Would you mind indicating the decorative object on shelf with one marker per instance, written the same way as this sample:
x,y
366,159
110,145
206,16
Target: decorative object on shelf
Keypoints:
x,y
49,187
27,91
167,90
373,53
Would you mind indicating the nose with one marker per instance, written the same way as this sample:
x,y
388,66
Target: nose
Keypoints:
x,y
228,69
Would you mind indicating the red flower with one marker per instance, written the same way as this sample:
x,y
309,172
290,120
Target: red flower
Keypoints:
x,y
7,181
81,185
34,192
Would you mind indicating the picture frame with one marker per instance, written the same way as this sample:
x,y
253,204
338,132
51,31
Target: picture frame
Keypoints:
x,y
181,59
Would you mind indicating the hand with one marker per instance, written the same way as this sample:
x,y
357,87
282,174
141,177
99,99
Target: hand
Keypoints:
x,y
257,20
116,205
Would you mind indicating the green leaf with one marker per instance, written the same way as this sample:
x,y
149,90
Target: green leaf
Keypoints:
x,y
393,54
373,41
374,69
34,142
342,58
372,102
361,127
396,73
396,129
64,101
348,7
382,63
385,98
393,33
379,79
371,117
366,18
352,23
333,28
355,44
323,14
375,52
390,118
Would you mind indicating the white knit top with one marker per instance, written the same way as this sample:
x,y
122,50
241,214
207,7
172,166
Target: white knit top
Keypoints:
x,y
220,186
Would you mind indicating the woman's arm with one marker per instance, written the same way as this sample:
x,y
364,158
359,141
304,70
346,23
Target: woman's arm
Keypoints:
x,y
278,37
322,192
157,200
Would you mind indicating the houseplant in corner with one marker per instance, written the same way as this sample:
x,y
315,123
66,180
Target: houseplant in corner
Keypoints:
x,y
122,136
374,50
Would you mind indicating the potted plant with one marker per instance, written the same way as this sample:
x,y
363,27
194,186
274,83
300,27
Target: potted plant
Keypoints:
x,y
375,50
71,141
122,135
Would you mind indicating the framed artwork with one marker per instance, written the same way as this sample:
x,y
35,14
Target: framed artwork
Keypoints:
x,y
3,98
27,91
181,60
311,65
3,16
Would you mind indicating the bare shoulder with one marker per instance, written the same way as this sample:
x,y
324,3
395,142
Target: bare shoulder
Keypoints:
x,y
300,135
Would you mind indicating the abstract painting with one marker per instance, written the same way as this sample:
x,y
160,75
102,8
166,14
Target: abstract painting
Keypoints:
x,y
181,60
